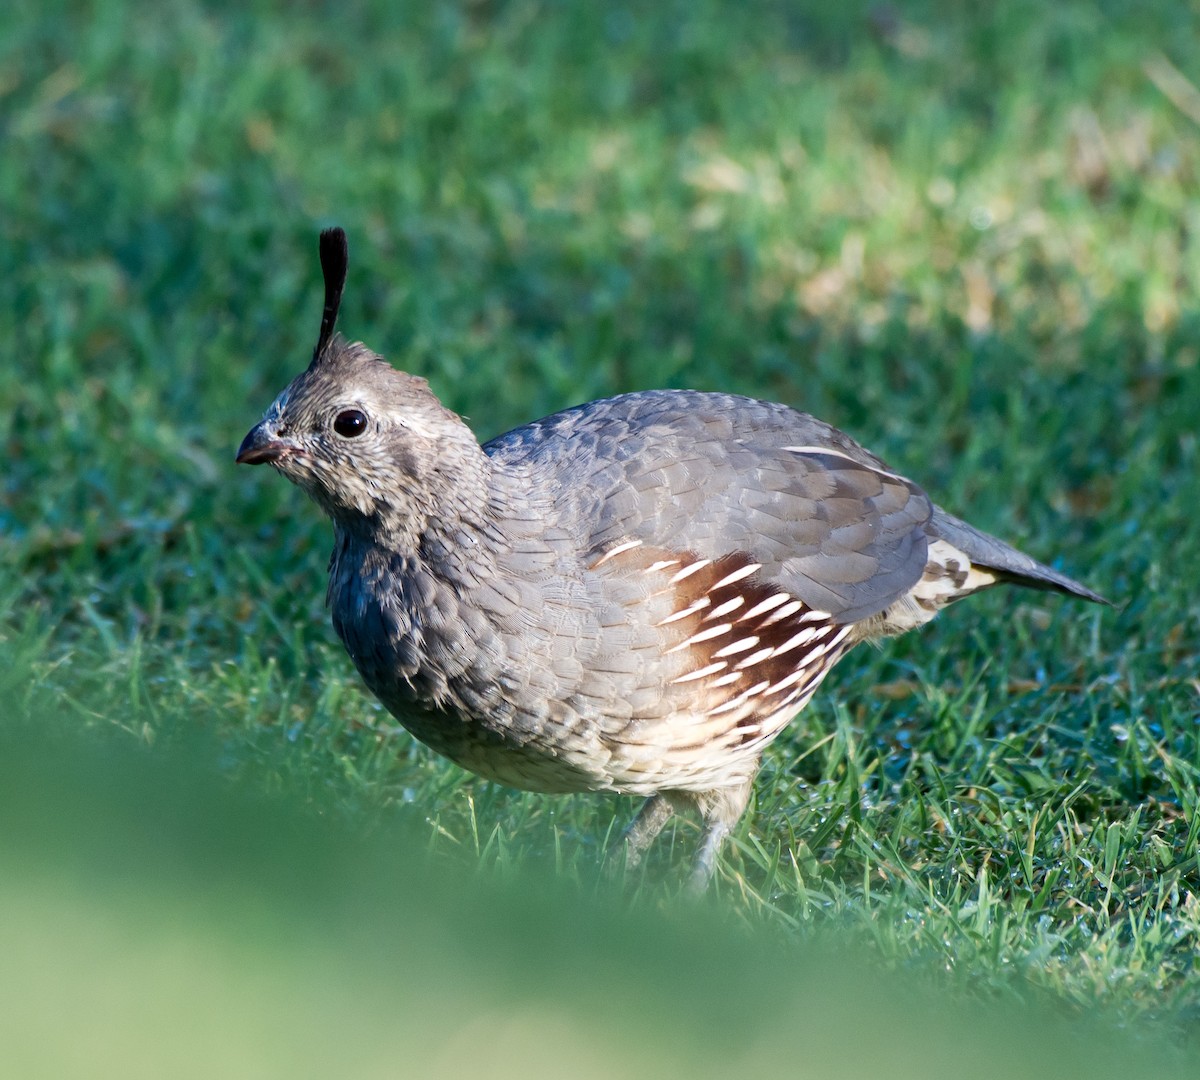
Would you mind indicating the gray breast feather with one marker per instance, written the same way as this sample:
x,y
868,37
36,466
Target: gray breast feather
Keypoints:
x,y
714,474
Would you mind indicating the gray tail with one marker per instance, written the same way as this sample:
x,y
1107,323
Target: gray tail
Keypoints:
x,y
1012,565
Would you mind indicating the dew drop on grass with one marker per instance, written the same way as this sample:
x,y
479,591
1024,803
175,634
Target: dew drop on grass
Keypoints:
x,y
980,218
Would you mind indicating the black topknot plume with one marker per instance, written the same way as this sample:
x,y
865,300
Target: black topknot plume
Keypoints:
x,y
335,257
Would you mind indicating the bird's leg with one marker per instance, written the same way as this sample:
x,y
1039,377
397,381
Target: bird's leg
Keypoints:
x,y
706,858
720,810
656,811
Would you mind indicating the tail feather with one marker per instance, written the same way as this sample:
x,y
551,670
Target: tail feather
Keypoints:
x,y
1007,562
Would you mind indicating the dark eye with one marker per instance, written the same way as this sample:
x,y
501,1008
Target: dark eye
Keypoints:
x,y
350,422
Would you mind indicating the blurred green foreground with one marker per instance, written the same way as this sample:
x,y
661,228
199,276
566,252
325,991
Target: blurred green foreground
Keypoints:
x,y
155,921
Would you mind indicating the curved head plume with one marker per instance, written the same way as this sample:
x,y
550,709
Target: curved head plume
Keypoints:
x,y
371,444
335,258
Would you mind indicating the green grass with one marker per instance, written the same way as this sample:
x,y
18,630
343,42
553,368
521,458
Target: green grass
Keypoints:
x,y
966,236
231,934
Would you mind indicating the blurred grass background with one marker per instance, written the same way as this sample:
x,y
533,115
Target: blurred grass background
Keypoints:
x,y
964,234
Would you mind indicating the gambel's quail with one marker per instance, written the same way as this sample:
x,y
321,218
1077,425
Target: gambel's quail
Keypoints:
x,y
634,595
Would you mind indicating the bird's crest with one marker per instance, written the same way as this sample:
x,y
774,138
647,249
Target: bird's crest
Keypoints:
x,y
335,257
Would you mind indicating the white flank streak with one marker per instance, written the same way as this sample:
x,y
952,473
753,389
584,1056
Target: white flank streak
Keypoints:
x,y
821,450
783,684
613,552
725,608
741,645
688,571
703,635
656,567
699,605
737,575
727,706
766,605
725,680
754,658
826,451
783,612
741,699
712,669
822,647
802,638
807,668
815,615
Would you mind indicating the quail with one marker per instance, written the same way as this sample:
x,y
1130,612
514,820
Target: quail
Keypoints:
x,y
635,595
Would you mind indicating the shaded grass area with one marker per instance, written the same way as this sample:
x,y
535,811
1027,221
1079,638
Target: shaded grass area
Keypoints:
x,y
173,923
966,237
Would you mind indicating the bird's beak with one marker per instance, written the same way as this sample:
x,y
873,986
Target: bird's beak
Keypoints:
x,y
261,445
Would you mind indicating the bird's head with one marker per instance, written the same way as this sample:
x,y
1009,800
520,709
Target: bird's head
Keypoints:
x,y
369,443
